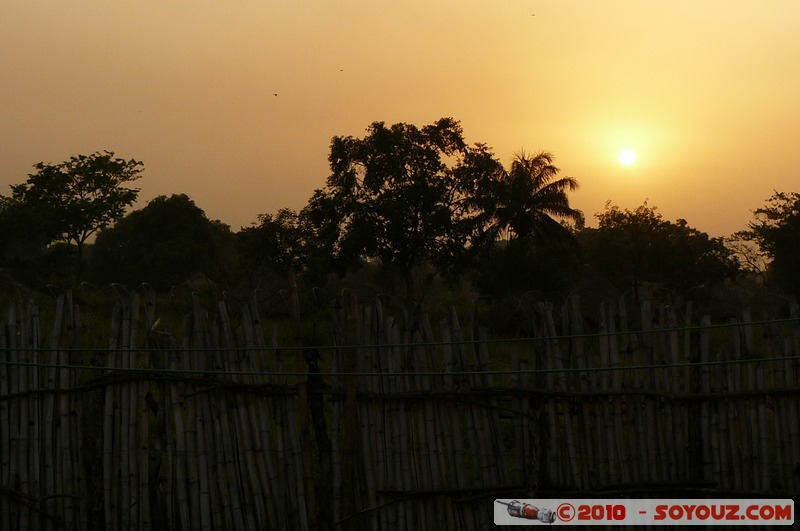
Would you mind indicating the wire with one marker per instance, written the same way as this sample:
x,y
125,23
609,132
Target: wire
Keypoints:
x,y
419,344
394,374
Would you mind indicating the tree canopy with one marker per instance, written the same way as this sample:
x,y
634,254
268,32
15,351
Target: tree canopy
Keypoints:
x,y
162,244
78,197
630,247
529,199
397,195
275,242
776,231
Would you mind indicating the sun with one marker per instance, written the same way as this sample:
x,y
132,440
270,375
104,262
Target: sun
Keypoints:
x,y
627,157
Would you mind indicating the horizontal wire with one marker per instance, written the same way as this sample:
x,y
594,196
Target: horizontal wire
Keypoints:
x,y
393,374
419,344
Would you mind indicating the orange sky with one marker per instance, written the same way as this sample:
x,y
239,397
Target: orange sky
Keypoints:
x,y
707,93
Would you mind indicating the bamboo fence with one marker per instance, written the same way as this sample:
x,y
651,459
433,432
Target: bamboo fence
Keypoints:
x,y
398,423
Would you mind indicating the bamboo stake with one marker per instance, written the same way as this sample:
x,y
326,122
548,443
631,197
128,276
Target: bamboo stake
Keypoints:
x,y
126,497
35,413
656,409
734,438
62,447
433,457
192,421
137,472
457,419
776,424
726,451
792,419
705,387
381,410
230,485
369,416
555,353
403,439
765,445
452,436
261,416
77,409
583,384
750,384
280,416
395,457
671,384
349,493
51,468
180,443
647,354
20,411
200,333
6,377
303,421
500,463
608,417
224,480
110,457
163,463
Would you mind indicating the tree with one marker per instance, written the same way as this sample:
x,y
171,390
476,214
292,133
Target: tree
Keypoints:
x,y
276,243
162,244
630,247
529,205
21,234
397,195
509,268
776,231
529,200
78,197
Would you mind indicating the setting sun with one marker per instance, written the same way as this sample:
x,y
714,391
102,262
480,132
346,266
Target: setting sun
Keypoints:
x,y
627,157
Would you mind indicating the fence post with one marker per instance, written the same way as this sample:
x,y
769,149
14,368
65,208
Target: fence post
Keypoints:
x,y
695,439
351,427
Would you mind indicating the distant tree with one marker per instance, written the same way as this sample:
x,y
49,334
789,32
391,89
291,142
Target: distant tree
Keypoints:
x,y
22,236
776,231
526,242
78,197
321,220
630,247
550,267
162,244
274,243
397,195
528,200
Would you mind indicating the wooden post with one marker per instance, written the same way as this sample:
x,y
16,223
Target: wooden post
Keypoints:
x,y
349,491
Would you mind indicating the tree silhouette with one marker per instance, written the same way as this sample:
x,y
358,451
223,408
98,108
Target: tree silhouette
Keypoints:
x,y
78,197
631,247
162,244
776,231
396,195
528,200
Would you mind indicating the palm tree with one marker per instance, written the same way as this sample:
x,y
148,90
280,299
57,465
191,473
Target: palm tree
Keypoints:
x,y
530,201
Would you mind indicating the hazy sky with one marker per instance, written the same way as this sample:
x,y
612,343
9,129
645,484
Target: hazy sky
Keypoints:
x,y
706,92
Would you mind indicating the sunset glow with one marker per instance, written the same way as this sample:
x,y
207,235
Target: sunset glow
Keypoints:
x,y
627,157
235,104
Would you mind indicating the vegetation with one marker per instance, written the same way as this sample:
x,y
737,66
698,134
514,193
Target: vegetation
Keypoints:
x,y
776,232
162,244
635,247
407,212
73,200
398,196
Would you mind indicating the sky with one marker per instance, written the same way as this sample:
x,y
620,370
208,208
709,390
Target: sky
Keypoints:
x,y
707,94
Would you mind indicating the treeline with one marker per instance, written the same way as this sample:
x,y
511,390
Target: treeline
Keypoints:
x,y
413,212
